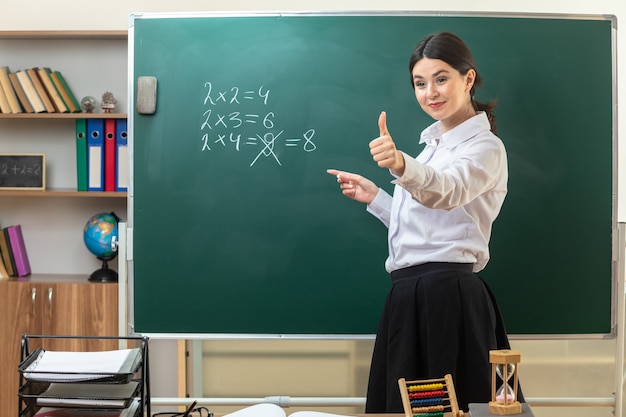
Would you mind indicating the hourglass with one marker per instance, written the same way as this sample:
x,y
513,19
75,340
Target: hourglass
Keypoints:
x,y
504,398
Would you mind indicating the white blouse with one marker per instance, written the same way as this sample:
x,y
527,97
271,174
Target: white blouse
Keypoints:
x,y
444,205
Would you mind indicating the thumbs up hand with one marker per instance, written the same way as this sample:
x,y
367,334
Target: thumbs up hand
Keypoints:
x,y
384,151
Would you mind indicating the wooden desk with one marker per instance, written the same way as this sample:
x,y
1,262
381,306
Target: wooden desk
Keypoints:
x,y
348,415
482,410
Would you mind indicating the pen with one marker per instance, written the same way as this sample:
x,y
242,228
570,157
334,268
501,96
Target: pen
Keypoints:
x,y
190,409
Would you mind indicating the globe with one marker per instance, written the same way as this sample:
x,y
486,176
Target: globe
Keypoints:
x,y
101,238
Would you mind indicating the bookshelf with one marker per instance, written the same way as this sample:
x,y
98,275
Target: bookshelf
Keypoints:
x,y
64,34
57,298
73,116
67,192
92,62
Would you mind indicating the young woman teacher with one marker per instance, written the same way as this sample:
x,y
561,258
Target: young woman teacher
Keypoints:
x,y
439,316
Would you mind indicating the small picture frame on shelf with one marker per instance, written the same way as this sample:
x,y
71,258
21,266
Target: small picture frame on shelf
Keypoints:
x,y
23,171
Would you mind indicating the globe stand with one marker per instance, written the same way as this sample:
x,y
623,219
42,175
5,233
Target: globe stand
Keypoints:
x,y
103,274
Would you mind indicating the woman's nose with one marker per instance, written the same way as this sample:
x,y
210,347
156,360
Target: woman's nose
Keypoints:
x,y
432,91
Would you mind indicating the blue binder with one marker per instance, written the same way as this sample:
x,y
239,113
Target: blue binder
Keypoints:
x,y
122,162
95,155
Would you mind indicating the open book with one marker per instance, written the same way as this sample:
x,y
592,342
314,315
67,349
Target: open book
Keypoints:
x,y
273,410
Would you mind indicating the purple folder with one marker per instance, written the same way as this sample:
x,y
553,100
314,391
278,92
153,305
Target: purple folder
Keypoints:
x,y
19,250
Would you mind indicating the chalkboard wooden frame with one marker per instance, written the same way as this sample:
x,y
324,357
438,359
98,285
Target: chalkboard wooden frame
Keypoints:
x,y
22,171
539,263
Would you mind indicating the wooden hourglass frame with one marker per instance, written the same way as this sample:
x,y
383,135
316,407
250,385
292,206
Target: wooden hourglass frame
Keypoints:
x,y
508,404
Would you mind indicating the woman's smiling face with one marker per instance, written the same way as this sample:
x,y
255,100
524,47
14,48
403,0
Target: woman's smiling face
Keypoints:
x,y
442,92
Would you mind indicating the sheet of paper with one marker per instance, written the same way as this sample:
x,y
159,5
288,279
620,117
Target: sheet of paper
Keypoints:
x,y
88,395
80,366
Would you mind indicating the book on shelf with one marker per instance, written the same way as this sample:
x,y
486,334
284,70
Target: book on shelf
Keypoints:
x,y
21,94
84,395
4,102
18,249
64,89
31,92
7,253
87,412
102,366
5,82
4,274
273,410
48,84
68,90
41,91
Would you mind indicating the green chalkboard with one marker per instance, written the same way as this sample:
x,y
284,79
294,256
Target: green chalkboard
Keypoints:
x,y
237,228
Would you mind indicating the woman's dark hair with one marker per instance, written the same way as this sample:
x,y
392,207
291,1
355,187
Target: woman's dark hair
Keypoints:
x,y
451,49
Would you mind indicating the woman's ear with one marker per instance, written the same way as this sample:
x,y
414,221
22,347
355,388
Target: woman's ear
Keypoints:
x,y
470,78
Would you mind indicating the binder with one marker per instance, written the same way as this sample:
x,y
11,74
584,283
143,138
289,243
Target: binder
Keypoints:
x,y
81,154
18,247
121,155
95,155
109,154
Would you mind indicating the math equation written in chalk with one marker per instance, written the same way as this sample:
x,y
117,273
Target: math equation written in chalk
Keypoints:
x,y
237,119
22,170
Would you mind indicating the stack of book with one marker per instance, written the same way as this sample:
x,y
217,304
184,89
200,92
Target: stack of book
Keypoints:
x,y
35,90
13,255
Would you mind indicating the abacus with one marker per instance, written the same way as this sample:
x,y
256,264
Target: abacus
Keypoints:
x,y
429,398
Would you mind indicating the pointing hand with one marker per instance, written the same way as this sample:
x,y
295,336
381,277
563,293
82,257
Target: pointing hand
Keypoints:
x,y
355,186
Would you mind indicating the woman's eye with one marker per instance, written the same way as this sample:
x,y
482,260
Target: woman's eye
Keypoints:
x,y
441,80
419,84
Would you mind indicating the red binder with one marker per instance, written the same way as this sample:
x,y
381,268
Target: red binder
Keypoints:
x,y
109,155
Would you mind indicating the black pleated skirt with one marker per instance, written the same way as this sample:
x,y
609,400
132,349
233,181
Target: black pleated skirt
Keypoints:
x,y
438,319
